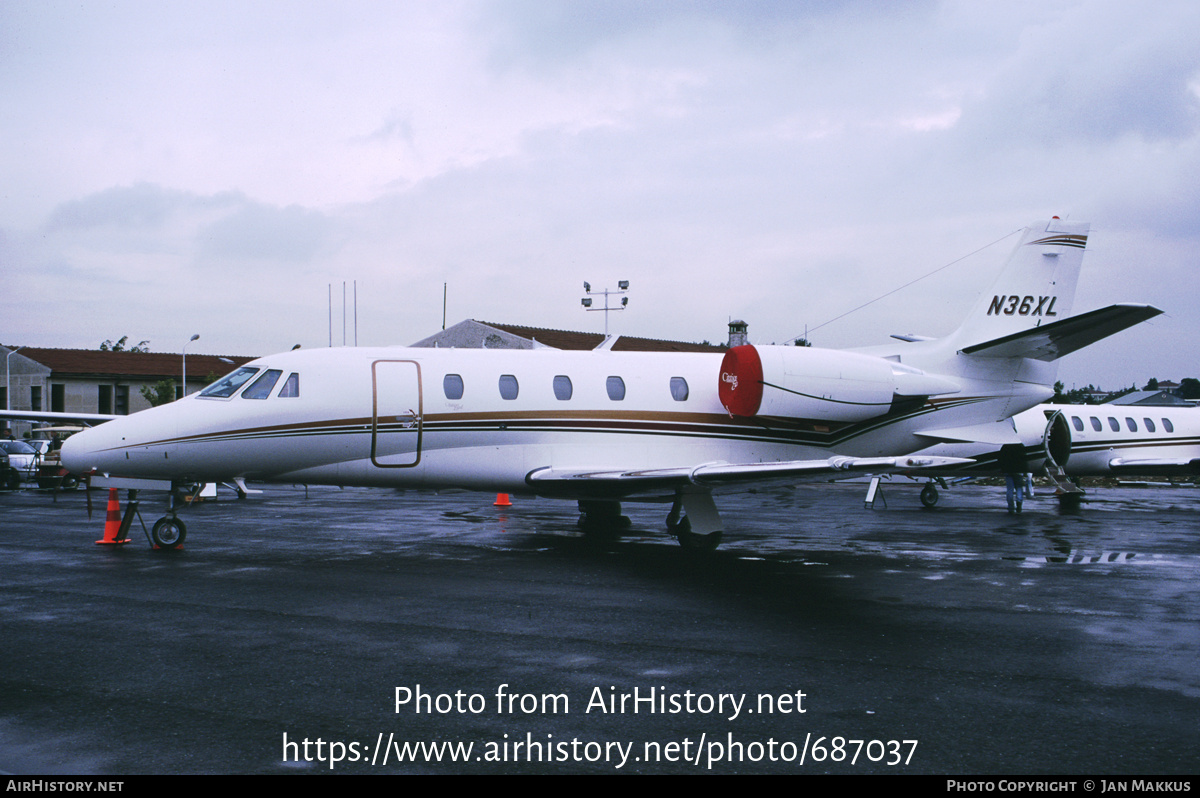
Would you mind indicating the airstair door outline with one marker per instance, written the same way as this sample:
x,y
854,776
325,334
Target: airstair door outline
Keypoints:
x,y
396,413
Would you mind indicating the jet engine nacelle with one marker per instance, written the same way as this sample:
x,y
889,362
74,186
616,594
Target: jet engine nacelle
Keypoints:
x,y
819,384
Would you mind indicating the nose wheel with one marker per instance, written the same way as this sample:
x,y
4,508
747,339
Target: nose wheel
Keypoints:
x,y
168,533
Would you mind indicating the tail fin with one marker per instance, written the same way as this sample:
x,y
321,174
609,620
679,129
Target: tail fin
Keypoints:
x,y
1037,285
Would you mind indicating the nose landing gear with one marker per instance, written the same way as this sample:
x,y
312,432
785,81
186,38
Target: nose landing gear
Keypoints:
x,y
168,533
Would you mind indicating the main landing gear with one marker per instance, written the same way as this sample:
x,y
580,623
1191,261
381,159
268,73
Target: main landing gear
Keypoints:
x,y
693,520
700,529
600,517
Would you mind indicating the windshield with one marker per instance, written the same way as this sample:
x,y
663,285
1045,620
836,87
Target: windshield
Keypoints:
x,y
261,388
228,385
17,447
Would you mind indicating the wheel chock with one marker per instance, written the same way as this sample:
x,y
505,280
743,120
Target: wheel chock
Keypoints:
x,y
112,523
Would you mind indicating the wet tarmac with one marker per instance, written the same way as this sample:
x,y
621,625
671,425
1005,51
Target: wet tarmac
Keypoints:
x,y
1046,642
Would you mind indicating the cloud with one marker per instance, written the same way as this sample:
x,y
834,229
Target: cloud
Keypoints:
x,y
774,161
255,231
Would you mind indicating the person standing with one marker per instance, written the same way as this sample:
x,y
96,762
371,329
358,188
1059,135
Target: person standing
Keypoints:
x,y
1012,463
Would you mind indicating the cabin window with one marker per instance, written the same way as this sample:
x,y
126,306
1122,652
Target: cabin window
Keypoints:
x,y
562,387
1149,424
262,387
1130,424
291,388
1113,424
228,385
616,388
508,386
679,389
1096,425
452,386
1078,423
1167,425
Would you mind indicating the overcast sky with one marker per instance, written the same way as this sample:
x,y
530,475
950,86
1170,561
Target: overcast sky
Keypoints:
x,y
209,167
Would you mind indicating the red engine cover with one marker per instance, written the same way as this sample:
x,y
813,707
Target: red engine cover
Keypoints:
x,y
741,388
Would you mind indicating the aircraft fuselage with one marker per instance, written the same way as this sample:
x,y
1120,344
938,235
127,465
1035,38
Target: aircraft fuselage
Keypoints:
x,y
484,419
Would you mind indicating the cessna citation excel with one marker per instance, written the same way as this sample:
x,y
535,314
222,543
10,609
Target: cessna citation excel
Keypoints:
x,y
1062,441
600,427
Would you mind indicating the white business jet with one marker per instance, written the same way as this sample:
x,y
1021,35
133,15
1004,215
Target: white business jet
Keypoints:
x,y
600,427
1089,441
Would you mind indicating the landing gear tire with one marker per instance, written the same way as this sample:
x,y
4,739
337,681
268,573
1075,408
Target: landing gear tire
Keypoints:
x,y
168,533
929,496
682,531
70,482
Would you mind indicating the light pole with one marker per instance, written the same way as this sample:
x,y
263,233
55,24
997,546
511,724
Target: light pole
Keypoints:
x,y
623,285
8,379
185,346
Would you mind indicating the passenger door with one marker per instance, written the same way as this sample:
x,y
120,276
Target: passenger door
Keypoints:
x,y
396,425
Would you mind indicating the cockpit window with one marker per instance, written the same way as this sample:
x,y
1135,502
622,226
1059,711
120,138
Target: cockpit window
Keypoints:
x,y
228,385
262,387
291,388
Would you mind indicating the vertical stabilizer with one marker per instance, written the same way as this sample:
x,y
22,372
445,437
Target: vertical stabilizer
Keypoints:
x,y
1036,287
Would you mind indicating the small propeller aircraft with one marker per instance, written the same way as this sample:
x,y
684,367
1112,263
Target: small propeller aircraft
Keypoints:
x,y
602,427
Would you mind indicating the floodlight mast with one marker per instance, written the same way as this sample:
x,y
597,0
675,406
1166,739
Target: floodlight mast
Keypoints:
x,y
185,346
623,288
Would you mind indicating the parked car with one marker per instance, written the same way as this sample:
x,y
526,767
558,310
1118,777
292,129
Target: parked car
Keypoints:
x,y
9,478
23,460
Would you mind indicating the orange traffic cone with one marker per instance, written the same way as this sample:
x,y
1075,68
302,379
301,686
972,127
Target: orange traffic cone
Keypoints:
x,y
112,523
502,500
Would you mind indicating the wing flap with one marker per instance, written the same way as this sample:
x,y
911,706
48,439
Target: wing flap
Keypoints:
x,y
716,474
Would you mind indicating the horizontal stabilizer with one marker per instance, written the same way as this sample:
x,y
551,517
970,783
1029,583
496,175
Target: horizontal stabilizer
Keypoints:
x,y
1052,341
715,474
997,433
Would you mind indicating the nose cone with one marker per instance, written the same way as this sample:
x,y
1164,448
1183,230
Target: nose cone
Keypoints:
x,y
82,452
139,445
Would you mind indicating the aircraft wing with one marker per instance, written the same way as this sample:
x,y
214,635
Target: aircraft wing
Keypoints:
x,y
1052,341
39,415
1155,466
711,475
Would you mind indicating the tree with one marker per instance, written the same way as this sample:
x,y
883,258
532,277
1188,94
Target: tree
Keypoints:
x,y
119,346
160,393
1151,385
1189,388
